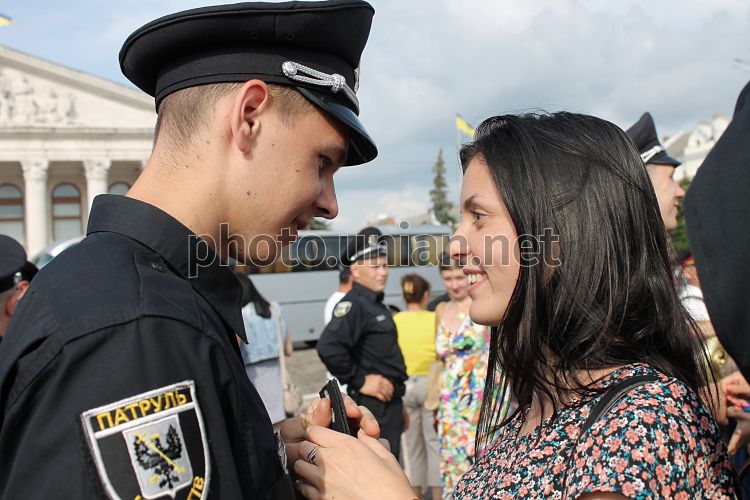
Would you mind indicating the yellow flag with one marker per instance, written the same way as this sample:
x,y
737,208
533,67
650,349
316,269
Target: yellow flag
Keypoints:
x,y
463,126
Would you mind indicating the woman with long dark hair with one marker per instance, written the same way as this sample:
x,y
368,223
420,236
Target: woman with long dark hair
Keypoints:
x,y
568,260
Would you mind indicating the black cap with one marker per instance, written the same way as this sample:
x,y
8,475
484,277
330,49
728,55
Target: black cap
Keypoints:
x,y
643,134
716,208
312,46
12,260
366,244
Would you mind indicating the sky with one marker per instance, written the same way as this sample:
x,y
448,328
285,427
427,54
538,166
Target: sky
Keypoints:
x,y
427,60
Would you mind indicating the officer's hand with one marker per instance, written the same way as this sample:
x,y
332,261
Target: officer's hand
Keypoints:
x,y
319,414
377,386
736,387
741,435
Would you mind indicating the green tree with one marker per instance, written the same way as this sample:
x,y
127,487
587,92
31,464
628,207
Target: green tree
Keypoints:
x,y
679,234
442,209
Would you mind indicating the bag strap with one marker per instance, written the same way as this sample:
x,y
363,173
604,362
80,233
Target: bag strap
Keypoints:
x,y
282,361
612,397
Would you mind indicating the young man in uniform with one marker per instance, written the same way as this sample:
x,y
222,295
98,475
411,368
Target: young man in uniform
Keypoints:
x,y
660,167
15,275
359,346
121,374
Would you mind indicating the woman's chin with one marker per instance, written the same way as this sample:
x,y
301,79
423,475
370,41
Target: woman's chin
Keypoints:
x,y
487,316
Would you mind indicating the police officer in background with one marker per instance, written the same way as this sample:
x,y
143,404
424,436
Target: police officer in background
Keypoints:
x,y
121,375
15,275
360,344
660,167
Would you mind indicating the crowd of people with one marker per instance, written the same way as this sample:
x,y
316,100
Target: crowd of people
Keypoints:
x,y
591,364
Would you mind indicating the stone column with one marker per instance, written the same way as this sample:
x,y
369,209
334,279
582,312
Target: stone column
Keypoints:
x,y
97,171
36,203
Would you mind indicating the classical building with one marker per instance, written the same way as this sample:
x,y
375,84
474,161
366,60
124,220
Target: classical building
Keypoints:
x,y
691,148
65,137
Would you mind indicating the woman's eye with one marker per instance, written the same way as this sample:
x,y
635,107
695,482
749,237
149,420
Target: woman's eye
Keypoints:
x,y
477,216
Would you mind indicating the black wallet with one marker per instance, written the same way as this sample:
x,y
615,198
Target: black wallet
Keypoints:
x,y
339,421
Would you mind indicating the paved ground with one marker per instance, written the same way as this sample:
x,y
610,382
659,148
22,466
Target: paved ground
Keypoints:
x,y
306,370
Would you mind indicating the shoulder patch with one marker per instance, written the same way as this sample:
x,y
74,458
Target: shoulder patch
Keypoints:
x,y
151,444
342,308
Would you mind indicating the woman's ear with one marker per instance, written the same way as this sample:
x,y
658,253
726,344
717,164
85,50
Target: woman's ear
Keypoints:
x,y
249,103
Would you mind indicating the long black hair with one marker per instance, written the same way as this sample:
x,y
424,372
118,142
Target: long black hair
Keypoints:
x,y
602,294
251,294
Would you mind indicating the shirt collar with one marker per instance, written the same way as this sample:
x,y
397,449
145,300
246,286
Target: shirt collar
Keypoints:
x,y
367,293
182,249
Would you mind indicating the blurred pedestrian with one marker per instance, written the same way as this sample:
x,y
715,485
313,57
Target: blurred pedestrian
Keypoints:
x,y
264,324
15,275
715,212
345,284
463,345
416,338
660,167
360,344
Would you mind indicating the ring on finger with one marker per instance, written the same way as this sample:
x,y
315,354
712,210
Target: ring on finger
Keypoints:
x,y
311,455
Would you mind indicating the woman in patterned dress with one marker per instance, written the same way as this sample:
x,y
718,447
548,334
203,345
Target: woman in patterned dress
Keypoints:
x,y
463,346
568,259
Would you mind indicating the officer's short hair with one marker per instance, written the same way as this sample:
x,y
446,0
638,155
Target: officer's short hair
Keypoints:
x,y
344,274
185,111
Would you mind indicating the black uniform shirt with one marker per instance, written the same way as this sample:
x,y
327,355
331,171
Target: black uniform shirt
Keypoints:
x,y
121,371
361,339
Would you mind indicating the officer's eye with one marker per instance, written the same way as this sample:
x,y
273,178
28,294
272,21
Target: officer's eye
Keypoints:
x,y
325,162
477,216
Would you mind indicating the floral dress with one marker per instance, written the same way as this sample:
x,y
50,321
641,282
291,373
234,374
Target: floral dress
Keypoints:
x,y
465,356
657,442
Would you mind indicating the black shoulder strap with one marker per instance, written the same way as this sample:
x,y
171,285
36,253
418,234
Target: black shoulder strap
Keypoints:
x,y
613,396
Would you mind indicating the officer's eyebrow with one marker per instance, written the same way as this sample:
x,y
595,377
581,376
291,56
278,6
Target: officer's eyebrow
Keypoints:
x,y
337,153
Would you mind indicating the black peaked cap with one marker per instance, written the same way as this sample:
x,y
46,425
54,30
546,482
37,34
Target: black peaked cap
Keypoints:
x,y
12,259
366,244
243,41
643,134
716,209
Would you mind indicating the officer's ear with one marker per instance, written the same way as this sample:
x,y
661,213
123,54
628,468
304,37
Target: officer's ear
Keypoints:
x,y
249,102
354,271
17,296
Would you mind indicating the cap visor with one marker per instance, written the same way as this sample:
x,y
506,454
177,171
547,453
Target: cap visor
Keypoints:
x,y
361,147
663,158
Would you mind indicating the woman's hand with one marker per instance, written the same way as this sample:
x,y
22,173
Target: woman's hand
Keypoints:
x,y
334,465
293,430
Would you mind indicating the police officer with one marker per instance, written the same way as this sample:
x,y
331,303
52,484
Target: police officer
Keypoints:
x,y
121,376
15,274
359,346
715,214
660,167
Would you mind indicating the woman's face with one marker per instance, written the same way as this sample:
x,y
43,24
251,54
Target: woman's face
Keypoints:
x,y
486,241
456,283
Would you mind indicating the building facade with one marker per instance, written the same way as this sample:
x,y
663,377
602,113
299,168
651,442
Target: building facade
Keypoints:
x,y
691,148
65,137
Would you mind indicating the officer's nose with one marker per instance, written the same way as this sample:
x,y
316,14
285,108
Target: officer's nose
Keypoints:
x,y
328,205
